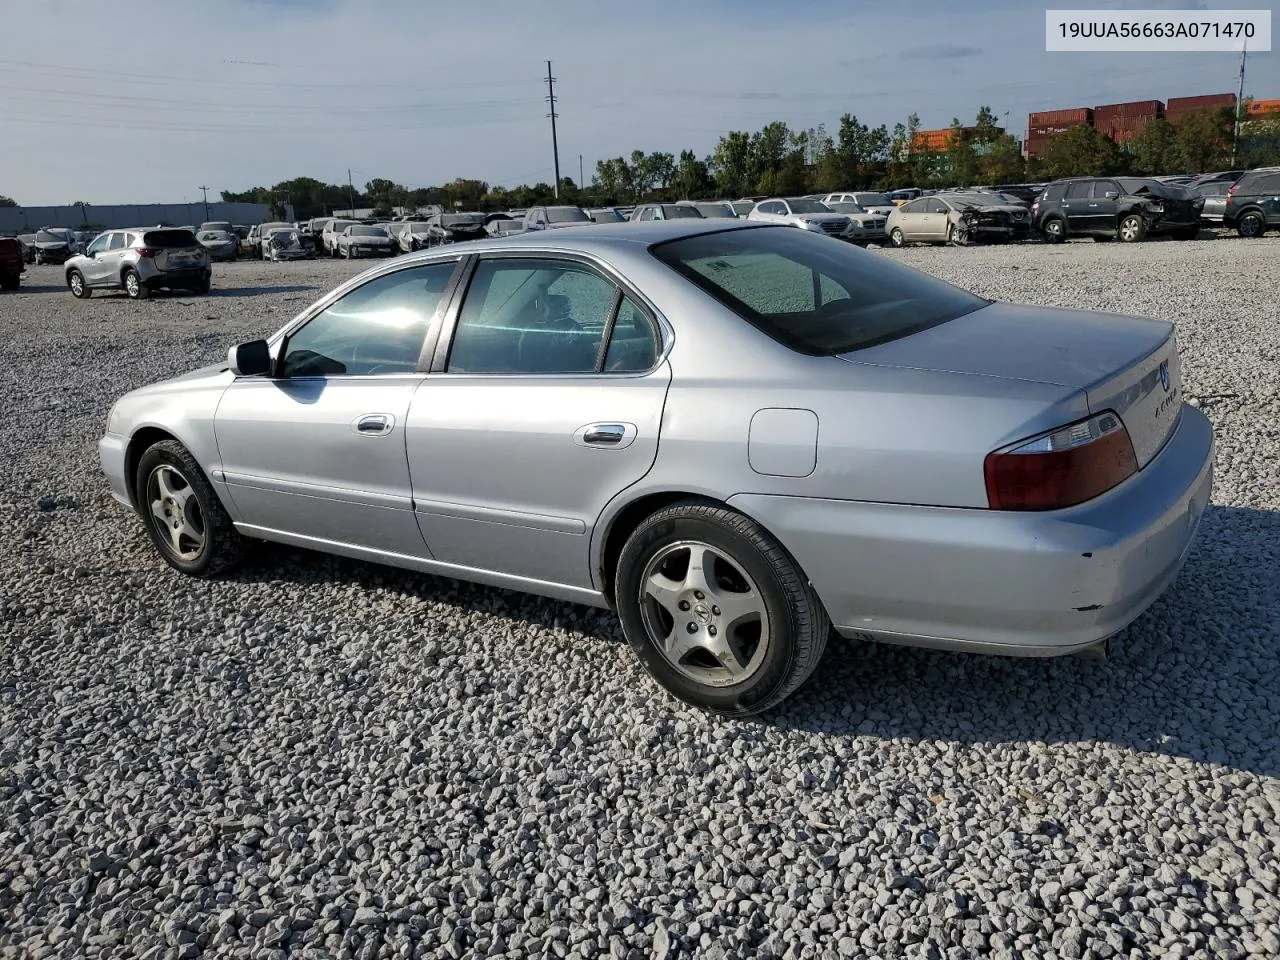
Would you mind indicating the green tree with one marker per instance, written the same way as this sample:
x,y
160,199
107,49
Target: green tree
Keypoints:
x,y
1080,152
7,201
1002,162
986,127
1204,139
1156,149
769,148
731,164
692,177
961,165
913,159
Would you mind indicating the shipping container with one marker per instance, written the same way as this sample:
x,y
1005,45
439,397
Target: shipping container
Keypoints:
x,y
1104,115
1260,107
1208,101
1070,118
1050,130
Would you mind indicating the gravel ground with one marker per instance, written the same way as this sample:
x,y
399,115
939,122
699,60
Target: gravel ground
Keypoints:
x,y
322,758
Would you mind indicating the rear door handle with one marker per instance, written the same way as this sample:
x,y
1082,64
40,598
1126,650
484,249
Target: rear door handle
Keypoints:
x,y
611,436
374,424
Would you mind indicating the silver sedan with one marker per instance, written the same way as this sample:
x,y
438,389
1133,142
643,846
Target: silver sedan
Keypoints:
x,y
737,436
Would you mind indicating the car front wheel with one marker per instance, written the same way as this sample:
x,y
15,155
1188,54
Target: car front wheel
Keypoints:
x,y
183,516
896,238
716,609
1132,228
79,289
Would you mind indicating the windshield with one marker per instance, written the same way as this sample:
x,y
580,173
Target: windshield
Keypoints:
x,y
873,199
419,228
715,210
816,297
45,236
607,215
808,206
368,232
846,207
742,207
567,215
682,213
337,226
216,235
461,219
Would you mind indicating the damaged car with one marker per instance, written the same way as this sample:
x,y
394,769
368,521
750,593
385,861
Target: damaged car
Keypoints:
x,y
55,245
221,244
959,219
284,243
456,227
360,240
1128,209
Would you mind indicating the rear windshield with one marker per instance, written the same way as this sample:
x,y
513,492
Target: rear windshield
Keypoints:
x,y
872,200
803,205
169,238
714,210
368,232
682,213
45,236
215,235
567,215
814,296
461,219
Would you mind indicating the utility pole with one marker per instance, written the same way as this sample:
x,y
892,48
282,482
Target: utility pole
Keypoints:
x,y
351,196
205,190
555,145
581,179
1235,139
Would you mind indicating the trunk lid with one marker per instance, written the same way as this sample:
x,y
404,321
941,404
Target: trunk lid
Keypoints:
x,y
1126,364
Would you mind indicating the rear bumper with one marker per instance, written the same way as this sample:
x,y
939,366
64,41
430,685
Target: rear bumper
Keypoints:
x,y
178,278
1023,584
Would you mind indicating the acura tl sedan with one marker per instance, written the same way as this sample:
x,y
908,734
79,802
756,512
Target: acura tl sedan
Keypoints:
x,y
736,435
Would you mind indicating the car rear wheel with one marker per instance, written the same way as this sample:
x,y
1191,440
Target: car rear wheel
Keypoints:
x,y
79,289
134,287
1251,225
1054,230
896,238
1132,228
716,609
182,513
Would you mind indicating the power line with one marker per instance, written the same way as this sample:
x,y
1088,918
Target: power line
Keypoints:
x,y
205,192
555,146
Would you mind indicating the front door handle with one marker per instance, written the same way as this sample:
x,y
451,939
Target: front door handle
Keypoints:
x,y
374,424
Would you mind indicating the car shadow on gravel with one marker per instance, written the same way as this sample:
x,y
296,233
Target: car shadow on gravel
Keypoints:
x,y
1197,676
37,288
218,291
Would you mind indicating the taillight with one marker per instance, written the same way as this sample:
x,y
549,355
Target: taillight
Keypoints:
x,y
1231,190
1072,464
147,251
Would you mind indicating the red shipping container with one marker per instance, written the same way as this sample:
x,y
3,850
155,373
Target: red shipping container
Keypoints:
x,y
1103,116
1070,118
1205,102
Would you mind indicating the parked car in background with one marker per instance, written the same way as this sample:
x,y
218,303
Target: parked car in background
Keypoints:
x,y
504,228
28,243
958,218
332,230
665,211
1214,193
139,261
12,263
285,243
555,218
1253,202
605,215
801,212
412,236
1124,208
864,227
221,244
223,225
871,202
906,194
359,240
55,245
873,450
456,228
712,209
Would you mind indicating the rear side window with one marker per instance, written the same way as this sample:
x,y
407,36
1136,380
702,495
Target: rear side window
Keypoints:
x,y
813,296
1265,183
169,238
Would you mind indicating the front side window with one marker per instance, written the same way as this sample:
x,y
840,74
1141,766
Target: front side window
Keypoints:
x,y
813,296
935,206
379,327
524,316
1078,190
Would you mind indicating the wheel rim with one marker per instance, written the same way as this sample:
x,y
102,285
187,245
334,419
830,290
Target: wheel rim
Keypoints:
x,y
1249,226
1129,228
131,284
77,285
896,237
175,512
1053,228
704,614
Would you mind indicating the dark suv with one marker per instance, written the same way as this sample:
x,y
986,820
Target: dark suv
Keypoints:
x,y
1124,208
1253,202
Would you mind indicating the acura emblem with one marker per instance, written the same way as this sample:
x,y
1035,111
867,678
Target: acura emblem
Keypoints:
x,y
1164,375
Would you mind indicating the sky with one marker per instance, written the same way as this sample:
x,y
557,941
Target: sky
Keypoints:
x,y
147,106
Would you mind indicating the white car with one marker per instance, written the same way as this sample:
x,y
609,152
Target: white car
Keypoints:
x,y
864,227
358,240
332,230
871,202
801,212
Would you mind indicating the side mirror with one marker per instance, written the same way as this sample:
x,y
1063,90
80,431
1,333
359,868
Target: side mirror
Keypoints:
x,y
1112,194
252,359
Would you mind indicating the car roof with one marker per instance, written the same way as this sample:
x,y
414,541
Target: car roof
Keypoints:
x,y
600,238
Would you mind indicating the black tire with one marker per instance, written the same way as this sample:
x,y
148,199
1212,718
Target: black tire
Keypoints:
x,y
1186,233
202,288
1252,224
957,237
1131,228
134,288
10,283
796,621
75,283
1054,230
222,546
896,239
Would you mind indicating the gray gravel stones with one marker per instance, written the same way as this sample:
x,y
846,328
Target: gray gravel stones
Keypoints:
x,y
319,758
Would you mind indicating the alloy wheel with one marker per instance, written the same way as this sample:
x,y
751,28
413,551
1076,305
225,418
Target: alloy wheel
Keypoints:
x,y
132,284
175,512
704,613
77,285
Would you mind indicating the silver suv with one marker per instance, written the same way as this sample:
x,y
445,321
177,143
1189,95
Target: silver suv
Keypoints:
x,y
139,260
